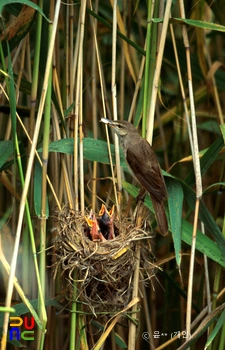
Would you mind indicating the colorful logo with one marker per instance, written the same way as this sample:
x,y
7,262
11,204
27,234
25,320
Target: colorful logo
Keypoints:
x,y
15,332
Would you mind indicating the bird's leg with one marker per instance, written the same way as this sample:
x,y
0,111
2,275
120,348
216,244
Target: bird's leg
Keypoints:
x,y
141,195
139,204
111,224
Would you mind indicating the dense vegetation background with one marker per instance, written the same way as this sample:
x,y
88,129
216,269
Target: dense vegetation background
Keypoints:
x,y
64,66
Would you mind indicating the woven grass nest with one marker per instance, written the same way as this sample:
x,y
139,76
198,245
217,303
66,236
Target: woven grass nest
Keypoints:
x,y
103,269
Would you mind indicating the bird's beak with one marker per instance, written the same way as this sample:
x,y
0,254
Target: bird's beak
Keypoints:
x,y
105,221
107,121
112,123
103,211
95,231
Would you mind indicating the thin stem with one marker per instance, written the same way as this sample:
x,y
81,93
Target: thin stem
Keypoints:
x,y
147,76
114,98
197,170
155,85
29,168
94,107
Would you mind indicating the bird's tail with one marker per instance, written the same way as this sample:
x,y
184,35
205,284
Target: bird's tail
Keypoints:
x,y
160,216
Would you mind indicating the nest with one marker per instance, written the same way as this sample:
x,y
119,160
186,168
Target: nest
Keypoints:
x,y
103,271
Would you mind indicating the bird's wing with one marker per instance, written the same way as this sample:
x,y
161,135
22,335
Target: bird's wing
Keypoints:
x,y
149,173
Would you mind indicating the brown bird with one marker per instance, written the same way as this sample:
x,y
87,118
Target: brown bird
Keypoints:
x,y
145,167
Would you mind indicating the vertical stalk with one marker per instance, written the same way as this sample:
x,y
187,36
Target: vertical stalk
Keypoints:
x,y
114,98
94,106
34,90
150,121
197,172
132,325
30,165
147,85
76,116
45,154
122,70
137,88
80,115
73,324
78,126
184,98
35,74
102,84
26,247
